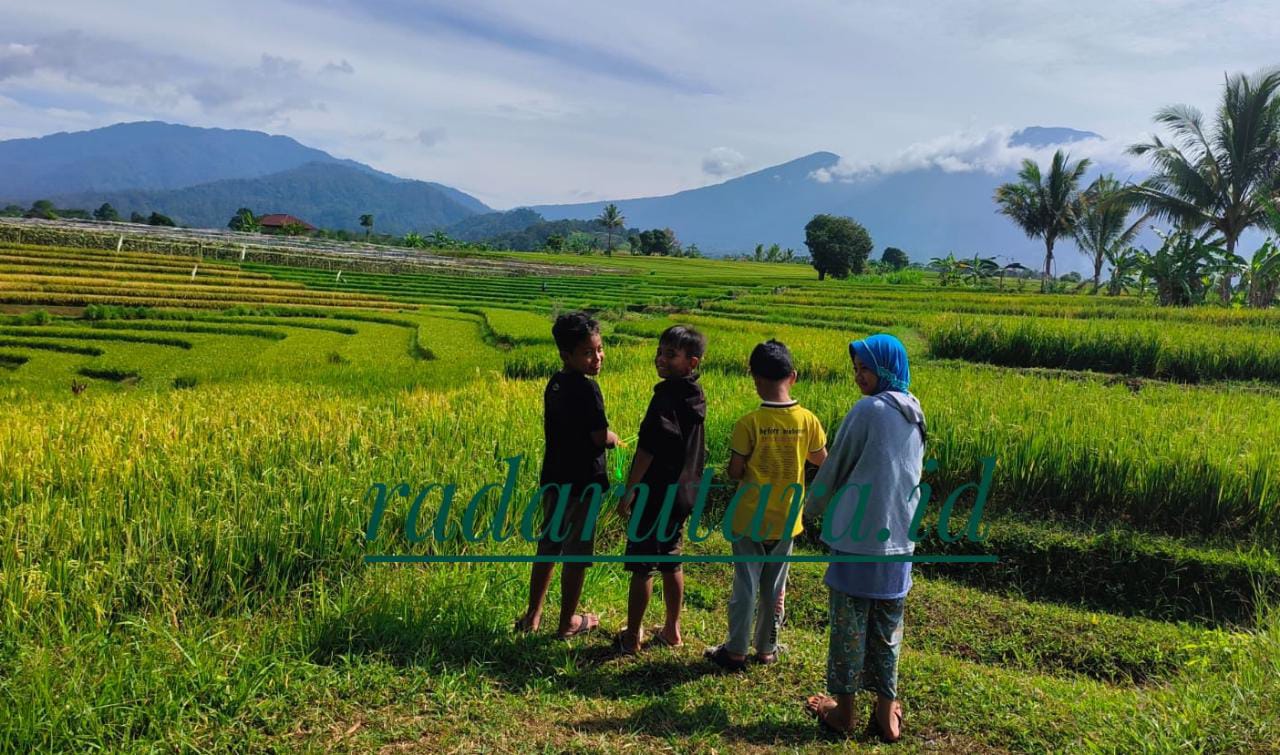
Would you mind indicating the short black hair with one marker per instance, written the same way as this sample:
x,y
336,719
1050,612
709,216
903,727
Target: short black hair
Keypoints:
x,y
684,338
771,360
572,328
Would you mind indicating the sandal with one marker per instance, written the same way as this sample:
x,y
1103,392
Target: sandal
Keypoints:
x,y
586,623
660,640
812,705
720,657
620,643
874,724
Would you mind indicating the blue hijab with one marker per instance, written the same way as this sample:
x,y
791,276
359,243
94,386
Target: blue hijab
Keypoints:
x,y
888,357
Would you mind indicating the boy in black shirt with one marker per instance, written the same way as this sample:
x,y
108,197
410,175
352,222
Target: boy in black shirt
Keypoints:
x,y
576,434
670,454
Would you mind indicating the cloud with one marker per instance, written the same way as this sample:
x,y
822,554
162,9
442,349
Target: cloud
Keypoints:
x,y
968,152
430,137
723,161
342,67
84,58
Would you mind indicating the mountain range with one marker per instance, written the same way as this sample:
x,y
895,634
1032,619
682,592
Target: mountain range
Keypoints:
x,y
200,176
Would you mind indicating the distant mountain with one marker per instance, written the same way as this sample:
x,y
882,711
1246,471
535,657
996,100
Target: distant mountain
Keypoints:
x,y
326,194
926,212
199,176
492,224
146,155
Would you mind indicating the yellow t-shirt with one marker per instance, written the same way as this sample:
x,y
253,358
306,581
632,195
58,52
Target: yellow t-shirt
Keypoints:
x,y
776,439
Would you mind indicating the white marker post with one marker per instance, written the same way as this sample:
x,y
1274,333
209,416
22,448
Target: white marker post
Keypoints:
x,y
243,248
193,272
120,243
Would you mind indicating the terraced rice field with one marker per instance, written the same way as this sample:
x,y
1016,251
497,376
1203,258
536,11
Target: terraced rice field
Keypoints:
x,y
185,461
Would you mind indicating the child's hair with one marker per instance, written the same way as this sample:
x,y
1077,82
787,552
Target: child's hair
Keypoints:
x,y
572,328
684,338
771,360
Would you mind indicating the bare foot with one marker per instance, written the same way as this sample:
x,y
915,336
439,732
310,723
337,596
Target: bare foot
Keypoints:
x,y
526,624
627,642
828,714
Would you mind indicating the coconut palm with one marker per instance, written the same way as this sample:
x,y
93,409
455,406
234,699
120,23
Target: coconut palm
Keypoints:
x,y
1222,178
1102,231
1044,207
611,218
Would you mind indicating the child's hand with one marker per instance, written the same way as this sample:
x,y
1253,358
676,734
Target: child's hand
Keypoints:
x,y
624,504
611,440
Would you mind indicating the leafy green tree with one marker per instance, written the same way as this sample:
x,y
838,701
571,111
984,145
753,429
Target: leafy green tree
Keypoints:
x,y
693,252
612,220
1126,264
895,258
366,222
978,270
43,209
1103,226
838,245
161,220
245,221
948,269
293,229
1044,207
414,240
1180,268
106,213
554,243
11,211
1222,177
137,217
661,242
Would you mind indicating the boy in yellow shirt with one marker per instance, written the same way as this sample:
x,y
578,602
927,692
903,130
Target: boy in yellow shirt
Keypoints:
x,y
769,448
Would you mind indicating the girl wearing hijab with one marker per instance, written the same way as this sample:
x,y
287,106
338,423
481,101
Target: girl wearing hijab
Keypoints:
x,y
874,465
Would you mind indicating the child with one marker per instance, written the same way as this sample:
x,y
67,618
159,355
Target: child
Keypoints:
x,y
670,453
576,433
769,447
879,453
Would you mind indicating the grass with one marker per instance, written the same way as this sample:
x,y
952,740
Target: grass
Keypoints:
x,y
181,554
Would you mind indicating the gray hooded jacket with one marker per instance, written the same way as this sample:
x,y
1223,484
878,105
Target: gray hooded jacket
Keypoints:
x,y
876,459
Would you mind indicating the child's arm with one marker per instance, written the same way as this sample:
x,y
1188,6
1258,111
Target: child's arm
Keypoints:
x,y
737,465
605,438
639,467
817,457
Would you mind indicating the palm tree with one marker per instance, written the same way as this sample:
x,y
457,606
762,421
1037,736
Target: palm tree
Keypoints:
x,y
611,218
366,222
1044,207
1221,179
1101,231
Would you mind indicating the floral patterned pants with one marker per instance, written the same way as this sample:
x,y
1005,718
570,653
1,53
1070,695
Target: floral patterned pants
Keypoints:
x,y
866,637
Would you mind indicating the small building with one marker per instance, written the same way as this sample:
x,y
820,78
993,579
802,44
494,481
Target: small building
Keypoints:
x,y
279,222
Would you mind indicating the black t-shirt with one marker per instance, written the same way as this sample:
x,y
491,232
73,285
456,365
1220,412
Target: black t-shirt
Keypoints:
x,y
573,409
673,431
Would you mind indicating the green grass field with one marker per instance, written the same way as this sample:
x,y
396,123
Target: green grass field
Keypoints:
x,y
186,457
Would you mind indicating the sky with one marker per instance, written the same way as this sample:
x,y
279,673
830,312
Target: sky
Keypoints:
x,y
547,101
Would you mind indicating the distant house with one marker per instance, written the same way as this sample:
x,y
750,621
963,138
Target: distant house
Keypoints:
x,y
280,223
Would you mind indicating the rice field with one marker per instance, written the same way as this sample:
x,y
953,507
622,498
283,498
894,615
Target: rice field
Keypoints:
x,y
186,460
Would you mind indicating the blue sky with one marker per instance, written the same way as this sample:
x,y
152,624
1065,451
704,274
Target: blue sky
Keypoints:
x,y
550,101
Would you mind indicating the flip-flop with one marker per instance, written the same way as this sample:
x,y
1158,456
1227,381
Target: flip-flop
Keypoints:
x,y
585,626
720,657
620,645
874,724
661,640
811,706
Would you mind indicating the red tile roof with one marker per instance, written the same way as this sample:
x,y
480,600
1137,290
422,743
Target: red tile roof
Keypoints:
x,y
280,220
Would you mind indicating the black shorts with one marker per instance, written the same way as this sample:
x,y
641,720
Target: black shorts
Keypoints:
x,y
572,524
653,546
